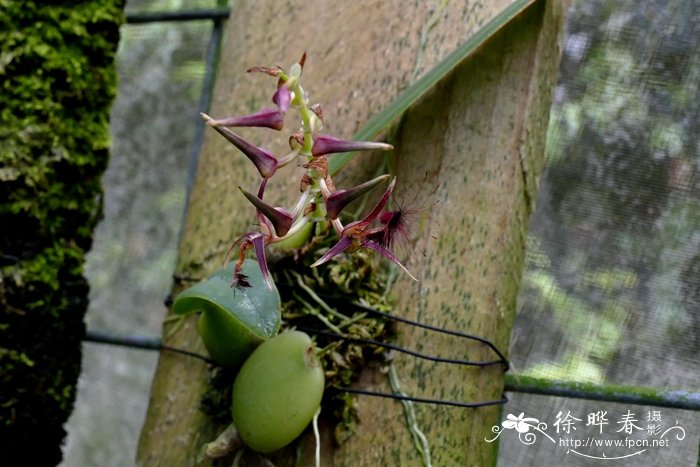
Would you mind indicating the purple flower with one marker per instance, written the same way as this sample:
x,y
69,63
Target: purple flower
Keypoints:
x,y
361,234
280,218
326,144
337,200
282,98
266,118
264,160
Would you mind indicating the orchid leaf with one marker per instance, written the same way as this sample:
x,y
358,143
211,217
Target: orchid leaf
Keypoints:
x,y
234,320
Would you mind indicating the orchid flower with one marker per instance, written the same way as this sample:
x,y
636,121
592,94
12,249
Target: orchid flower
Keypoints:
x,y
362,234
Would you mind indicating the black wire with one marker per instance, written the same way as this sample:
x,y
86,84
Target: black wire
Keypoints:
x,y
397,348
366,309
422,400
140,342
153,343
684,403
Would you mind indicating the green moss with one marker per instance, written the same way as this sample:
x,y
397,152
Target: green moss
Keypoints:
x,y
604,392
58,80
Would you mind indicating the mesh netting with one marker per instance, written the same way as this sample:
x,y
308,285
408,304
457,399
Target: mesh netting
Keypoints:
x,y
611,291
161,67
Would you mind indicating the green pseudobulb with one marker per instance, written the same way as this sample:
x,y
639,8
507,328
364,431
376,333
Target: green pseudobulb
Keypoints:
x,y
234,321
277,391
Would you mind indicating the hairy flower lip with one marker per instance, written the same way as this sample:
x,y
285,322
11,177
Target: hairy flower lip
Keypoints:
x,y
359,235
358,227
337,200
264,160
327,144
280,218
265,118
258,242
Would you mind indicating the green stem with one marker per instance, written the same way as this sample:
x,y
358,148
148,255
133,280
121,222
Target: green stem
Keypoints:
x,y
305,116
314,312
319,300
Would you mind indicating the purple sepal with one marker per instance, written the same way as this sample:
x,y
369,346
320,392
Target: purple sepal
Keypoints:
x,y
387,254
258,241
264,160
343,244
326,144
361,225
280,218
266,118
341,198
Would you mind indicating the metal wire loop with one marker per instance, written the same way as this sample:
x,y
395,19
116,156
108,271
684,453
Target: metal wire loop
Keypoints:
x,y
398,348
423,400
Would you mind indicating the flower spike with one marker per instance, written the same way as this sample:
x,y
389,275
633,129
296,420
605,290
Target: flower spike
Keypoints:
x,y
379,230
341,198
280,218
267,118
264,160
326,144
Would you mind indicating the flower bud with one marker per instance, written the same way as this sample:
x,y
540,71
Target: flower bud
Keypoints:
x,y
282,98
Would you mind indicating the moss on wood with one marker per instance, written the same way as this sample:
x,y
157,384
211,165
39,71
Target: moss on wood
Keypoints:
x,y
58,81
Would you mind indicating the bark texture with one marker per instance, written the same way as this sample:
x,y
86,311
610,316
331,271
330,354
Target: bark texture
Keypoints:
x,y
478,136
484,129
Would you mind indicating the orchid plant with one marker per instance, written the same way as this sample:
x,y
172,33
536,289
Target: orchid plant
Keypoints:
x,y
319,199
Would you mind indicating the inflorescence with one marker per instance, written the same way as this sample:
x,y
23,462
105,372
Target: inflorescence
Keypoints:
x,y
319,200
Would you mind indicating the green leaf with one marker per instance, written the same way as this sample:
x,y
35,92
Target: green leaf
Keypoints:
x,y
412,93
234,321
